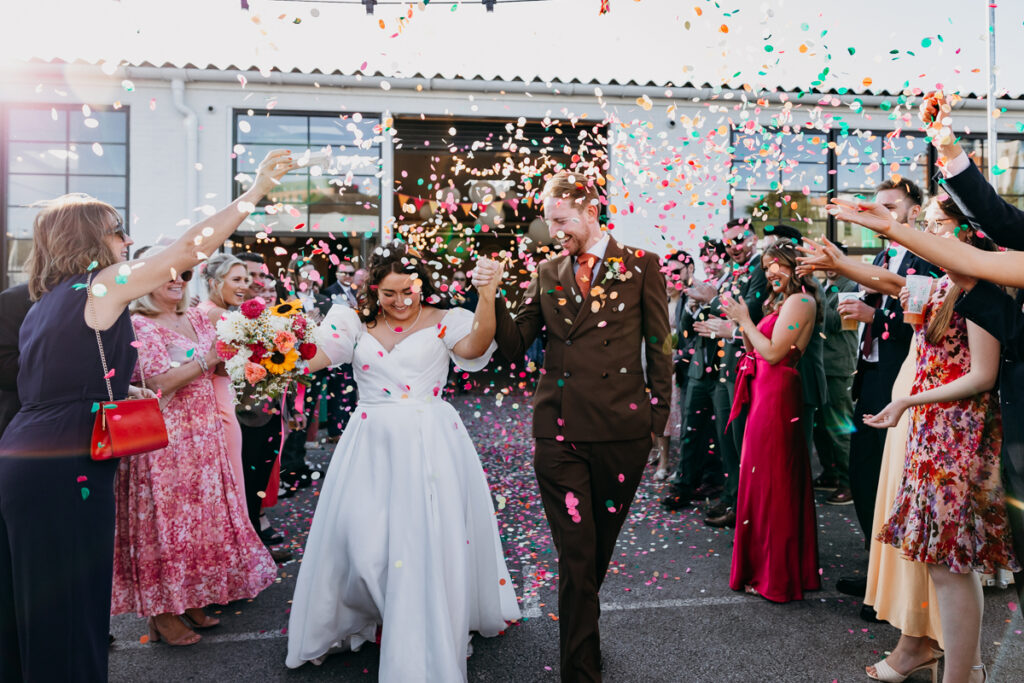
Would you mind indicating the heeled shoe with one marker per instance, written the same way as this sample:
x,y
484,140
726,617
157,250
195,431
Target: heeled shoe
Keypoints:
x,y
887,674
661,474
156,635
191,621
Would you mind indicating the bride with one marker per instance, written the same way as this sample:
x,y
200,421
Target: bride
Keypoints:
x,y
404,535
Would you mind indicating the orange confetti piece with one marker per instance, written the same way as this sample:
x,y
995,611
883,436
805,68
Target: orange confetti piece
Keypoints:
x,y
723,28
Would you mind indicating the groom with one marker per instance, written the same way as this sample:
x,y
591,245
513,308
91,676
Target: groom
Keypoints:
x,y
595,409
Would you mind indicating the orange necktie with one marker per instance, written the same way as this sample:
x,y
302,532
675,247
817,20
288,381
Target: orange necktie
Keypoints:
x,y
586,269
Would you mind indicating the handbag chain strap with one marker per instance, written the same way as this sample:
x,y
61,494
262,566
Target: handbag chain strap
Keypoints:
x,y
103,356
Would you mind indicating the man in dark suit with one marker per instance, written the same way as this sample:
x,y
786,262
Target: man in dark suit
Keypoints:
x,y
834,420
746,282
698,472
595,410
884,344
14,305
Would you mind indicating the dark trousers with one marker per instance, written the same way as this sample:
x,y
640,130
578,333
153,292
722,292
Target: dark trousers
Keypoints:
x,y
56,568
1013,483
867,443
602,478
341,398
730,437
293,456
699,459
833,428
260,446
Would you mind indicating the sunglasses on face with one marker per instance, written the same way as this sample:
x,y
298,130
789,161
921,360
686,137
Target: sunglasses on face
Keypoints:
x,y
184,275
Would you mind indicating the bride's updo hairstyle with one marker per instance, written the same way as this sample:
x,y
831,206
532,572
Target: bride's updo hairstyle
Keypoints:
x,y
398,257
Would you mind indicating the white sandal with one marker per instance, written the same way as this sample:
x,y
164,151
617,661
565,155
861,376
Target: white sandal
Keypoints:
x,y
887,674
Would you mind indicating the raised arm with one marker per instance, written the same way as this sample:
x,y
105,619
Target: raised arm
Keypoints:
x,y
120,283
515,335
827,256
948,252
792,329
975,196
476,343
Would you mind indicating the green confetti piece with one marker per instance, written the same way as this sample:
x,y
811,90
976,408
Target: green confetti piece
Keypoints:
x,y
95,407
851,50
85,493
561,382
927,42
190,353
92,265
769,48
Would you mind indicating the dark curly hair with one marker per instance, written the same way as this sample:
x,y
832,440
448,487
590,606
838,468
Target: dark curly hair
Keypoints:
x,y
398,257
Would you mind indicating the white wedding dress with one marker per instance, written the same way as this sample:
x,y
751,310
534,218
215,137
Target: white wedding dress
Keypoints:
x,y
404,532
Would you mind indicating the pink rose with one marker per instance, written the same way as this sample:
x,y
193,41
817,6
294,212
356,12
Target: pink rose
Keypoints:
x,y
254,372
284,341
252,308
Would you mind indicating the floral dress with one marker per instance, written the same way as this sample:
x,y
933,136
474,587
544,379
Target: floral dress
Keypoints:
x,y
182,534
950,508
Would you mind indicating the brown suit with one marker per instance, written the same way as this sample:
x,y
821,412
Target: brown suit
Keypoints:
x,y
594,413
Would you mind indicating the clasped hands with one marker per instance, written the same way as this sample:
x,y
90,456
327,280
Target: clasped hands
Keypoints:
x,y
486,275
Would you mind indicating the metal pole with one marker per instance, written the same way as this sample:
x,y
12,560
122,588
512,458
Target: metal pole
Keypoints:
x,y
993,153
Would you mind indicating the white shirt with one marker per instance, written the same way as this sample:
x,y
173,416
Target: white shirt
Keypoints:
x,y
597,250
956,165
894,267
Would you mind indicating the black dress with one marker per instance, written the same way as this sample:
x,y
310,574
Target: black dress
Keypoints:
x,y
57,504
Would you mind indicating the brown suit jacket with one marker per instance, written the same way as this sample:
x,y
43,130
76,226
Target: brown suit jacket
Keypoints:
x,y
593,386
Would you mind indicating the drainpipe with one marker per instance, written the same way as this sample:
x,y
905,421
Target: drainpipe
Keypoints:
x,y
191,123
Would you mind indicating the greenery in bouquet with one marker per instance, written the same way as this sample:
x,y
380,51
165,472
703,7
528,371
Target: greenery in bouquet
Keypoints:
x,y
266,348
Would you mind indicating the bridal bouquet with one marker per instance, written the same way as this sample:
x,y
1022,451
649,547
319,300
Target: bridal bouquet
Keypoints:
x,y
266,348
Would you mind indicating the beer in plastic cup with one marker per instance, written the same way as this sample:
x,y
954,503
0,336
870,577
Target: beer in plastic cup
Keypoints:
x,y
850,323
920,288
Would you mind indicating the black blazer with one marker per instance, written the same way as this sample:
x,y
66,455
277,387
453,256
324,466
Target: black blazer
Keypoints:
x,y
894,346
14,305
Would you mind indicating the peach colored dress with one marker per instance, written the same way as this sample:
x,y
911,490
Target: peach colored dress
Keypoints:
x,y
226,410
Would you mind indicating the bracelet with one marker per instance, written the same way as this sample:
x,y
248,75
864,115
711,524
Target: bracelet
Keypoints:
x,y
202,364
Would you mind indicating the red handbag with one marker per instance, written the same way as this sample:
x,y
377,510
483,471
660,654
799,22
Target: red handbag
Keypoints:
x,y
124,428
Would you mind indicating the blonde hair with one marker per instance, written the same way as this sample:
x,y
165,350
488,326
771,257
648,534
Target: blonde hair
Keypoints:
x,y
215,269
145,305
68,236
575,186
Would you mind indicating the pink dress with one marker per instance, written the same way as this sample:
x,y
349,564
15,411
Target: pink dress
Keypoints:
x,y
226,409
775,549
182,534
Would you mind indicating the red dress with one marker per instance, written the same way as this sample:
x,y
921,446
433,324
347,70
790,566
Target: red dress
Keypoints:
x,y
775,549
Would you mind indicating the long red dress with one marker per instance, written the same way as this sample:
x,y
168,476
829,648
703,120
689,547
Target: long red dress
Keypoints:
x,y
775,549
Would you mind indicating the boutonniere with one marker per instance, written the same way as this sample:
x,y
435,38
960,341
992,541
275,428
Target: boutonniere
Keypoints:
x,y
615,269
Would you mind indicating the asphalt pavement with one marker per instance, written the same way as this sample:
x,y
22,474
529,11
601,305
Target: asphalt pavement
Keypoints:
x,y
667,611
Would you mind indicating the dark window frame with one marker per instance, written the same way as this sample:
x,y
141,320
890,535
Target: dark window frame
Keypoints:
x,y
5,172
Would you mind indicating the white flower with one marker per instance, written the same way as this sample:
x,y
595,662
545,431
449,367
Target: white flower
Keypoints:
x,y
232,328
235,366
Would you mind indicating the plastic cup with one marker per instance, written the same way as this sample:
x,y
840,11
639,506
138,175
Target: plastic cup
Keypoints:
x,y
850,323
920,288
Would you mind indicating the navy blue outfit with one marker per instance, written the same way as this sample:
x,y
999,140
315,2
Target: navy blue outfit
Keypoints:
x,y
56,503
1002,316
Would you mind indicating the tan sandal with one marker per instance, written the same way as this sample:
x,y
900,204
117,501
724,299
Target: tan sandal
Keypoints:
x,y
887,674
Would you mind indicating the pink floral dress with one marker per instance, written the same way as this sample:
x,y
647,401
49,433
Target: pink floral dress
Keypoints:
x,y
182,534
950,508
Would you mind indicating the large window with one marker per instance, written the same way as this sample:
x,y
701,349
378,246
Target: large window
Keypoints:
x,y
781,176
53,151
788,175
340,199
1009,176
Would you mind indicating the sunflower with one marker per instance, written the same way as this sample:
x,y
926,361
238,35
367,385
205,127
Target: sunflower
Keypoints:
x,y
286,309
279,363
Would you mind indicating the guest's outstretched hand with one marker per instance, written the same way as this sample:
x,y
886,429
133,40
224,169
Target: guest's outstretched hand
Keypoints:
x,y
888,417
936,113
871,215
817,256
